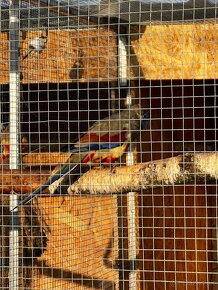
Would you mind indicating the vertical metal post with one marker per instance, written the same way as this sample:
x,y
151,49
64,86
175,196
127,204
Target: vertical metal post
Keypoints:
x,y
122,73
122,61
1,111
132,228
113,98
14,245
14,86
14,139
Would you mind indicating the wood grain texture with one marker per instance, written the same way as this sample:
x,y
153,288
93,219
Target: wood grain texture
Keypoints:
x,y
174,228
44,159
80,244
178,52
163,52
55,63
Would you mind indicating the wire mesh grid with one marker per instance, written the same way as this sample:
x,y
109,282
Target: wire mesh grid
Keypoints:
x,y
108,145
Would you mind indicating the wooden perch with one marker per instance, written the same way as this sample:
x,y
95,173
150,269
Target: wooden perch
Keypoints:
x,y
24,181
45,158
175,170
34,159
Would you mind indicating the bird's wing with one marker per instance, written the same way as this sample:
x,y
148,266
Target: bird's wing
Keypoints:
x,y
97,140
66,169
116,124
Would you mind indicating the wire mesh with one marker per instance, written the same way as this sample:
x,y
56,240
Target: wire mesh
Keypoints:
x,y
108,123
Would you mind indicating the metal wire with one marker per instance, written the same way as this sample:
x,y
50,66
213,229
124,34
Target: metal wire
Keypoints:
x,y
143,220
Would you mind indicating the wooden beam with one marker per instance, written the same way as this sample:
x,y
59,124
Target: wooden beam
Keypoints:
x,y
45,159
22,181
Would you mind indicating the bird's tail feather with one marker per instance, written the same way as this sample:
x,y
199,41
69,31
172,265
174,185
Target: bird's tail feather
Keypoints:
x,y
66,169
28,53
25,56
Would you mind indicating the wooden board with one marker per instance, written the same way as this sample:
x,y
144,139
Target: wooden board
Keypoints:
x,y
163,52
174,232
81,244
56,63
45,158
178,52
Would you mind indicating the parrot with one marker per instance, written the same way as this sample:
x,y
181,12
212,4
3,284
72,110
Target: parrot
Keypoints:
x,y
37,44
104,143
5,143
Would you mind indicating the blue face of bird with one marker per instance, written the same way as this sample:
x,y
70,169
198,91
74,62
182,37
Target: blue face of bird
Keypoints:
x,y
145,120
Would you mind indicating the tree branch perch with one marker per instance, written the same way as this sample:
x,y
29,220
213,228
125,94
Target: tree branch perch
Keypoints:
x,y
181,169
176,170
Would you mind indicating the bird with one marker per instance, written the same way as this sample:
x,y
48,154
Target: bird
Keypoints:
x,y
77,70
5,143
104,143
37,44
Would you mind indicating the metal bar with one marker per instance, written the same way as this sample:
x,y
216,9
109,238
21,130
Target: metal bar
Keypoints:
x,y
14,86
1,109
122,61
132,228
121,201
14,245
123,81
14,163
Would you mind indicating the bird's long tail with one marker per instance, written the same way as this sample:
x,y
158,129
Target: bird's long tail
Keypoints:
x,y
26,56
66,169
28,53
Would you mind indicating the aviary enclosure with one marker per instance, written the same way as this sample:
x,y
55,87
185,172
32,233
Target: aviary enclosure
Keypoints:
x,y
112,105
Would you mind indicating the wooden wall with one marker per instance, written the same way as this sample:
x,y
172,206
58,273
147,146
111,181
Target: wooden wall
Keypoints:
x,y
56,64
176,222
163,52
81,246
178,52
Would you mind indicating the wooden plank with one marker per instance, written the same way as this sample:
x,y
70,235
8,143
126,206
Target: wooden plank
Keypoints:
x,y
45,158
174,239
177,52
163,51
56,64
80,251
